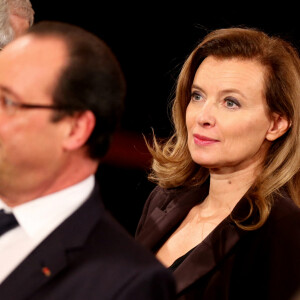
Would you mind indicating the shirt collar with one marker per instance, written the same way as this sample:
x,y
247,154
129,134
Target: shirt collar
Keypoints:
x,y
42,215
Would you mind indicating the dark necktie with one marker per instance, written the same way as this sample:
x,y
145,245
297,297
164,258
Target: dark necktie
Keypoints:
x,y
7,221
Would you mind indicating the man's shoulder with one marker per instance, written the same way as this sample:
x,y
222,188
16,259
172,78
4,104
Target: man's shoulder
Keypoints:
x,y
107,259
113,255
109,240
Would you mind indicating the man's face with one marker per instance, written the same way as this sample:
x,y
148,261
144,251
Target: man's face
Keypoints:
x,y
31,151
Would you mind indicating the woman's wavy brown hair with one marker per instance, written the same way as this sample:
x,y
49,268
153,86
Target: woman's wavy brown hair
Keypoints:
x,y
172,163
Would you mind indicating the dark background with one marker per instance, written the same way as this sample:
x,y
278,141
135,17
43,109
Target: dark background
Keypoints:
x,y
151,41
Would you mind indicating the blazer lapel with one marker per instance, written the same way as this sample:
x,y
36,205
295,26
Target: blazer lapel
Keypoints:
x,y
214,248
207,255
53,254
162,220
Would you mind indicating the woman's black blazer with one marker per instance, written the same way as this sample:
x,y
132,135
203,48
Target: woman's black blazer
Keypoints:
x,y
230,263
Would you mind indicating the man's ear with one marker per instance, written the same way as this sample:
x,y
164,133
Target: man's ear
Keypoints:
x,y
81,127
279,126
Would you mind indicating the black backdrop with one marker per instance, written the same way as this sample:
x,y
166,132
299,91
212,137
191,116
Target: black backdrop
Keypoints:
x,y
151,41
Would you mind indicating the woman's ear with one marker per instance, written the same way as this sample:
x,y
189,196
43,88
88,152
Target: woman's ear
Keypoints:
x,y
278,127
81,127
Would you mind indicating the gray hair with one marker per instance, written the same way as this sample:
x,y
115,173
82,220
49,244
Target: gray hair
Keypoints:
x,y
21,8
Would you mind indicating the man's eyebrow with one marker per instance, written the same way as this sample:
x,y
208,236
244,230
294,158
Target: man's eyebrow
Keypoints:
x,y
9,91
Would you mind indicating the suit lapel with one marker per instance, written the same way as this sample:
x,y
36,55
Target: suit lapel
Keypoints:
x,y
35,271
53,254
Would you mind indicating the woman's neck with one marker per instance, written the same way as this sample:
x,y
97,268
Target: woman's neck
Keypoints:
x,y
227,188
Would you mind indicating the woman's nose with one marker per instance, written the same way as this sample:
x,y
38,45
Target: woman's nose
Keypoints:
x,y
206,115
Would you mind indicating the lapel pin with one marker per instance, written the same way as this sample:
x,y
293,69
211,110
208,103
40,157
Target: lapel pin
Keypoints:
x,y
46,271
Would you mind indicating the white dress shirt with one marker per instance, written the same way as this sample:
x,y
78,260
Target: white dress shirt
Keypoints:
x,y
37,219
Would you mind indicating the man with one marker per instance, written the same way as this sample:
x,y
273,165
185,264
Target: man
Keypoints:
x,y
16,16
61,96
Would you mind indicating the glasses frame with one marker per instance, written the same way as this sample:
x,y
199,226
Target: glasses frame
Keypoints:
x,y
8,103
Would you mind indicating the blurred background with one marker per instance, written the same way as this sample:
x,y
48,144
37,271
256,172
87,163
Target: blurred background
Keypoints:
x,y
151,41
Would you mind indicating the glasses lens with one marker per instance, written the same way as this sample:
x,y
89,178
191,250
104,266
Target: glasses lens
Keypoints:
x,y
6,104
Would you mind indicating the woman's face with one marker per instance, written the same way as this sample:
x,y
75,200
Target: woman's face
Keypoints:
x,y
227,119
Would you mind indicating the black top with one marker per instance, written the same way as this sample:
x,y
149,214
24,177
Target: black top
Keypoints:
x,y
179,260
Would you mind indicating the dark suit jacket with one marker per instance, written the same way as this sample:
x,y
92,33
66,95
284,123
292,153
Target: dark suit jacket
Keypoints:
x,y
230,263
89,256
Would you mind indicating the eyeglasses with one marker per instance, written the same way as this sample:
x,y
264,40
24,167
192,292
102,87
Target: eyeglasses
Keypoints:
x,y
10,106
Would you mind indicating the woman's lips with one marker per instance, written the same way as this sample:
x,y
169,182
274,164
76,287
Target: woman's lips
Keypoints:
x,y
204,140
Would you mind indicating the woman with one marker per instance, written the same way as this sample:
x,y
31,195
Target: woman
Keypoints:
x,y
225,215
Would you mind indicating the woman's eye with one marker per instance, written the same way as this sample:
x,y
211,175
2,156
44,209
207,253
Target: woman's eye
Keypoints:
x,y
196,96
232,103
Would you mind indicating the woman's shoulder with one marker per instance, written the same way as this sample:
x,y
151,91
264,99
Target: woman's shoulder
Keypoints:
x,y
161,197
285,215
161,192
284,207
162,200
